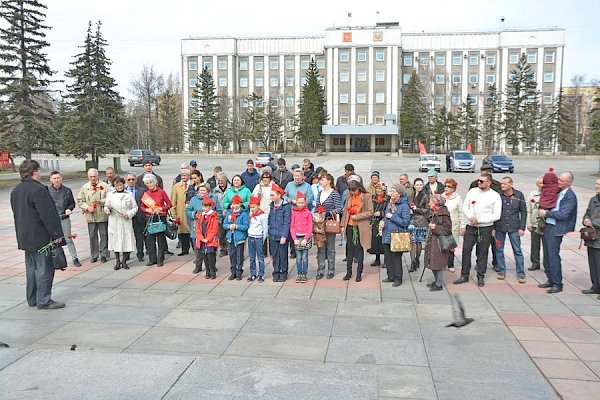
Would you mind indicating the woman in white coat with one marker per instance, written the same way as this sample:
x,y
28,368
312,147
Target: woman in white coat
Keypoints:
x,y
459,220
121,208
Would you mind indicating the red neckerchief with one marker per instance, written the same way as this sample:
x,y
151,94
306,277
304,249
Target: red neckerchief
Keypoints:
x,y
380,199
234,215
256,214
299,209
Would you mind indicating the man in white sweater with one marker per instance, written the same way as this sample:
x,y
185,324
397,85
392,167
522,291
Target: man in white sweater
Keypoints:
x,y
482,207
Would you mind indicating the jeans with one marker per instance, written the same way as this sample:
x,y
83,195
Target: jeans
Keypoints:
x,y
515,243
280,258
95,229
66,227
481,236
552,261
40,274
255,250
236,258
302,261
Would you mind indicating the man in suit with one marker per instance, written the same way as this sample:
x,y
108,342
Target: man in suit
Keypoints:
x,y
139,222
559,221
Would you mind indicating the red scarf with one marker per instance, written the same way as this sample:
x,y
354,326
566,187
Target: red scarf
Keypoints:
x,y
256,214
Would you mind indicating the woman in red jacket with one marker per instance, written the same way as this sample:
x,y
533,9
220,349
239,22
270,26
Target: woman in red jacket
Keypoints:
x,y
155,204
207,239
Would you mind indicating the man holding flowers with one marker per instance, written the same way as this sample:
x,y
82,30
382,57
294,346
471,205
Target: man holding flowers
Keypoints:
x,y
91,201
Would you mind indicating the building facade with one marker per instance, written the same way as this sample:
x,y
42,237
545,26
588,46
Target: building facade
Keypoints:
x,y
364,71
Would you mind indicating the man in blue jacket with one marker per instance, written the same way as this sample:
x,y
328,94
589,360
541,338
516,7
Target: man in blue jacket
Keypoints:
x,y
280,217
512,223
559,221
250,176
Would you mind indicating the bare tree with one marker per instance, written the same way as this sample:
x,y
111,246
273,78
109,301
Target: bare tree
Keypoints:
x,y
146,88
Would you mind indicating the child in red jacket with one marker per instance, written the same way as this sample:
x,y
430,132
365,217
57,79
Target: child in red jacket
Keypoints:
x,y
207,240
301,227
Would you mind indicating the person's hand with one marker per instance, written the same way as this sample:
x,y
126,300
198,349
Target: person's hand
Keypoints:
x,y
521,232
58,240
462,231
297,242
224,212
473,220
231,227
530,228
353,217
159,210
587,222
282,240
109,208
388,215
204,240
377,213
178,221
542,213
303,242
68,212
125,216
431,226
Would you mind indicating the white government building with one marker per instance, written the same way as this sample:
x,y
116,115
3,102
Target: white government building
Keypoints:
x,y
365,70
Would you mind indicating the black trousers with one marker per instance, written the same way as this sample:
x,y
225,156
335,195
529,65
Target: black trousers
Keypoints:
x,y
393,261
481,236
536,241
594,263
185,242
354,251
152,241
210,262
138,231
222,240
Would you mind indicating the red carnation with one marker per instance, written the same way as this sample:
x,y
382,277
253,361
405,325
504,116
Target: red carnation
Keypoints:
x,y
352,211
498,243
473,202
532,200
101,188
551,169
94,188
320,210
412,204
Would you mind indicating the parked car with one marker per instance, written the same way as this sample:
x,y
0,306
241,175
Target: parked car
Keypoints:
x,y
140,156
263,158
498,163
462,160
429,161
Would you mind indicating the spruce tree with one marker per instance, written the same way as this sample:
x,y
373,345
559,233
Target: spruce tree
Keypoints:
x,y
170,127
414,113
443,130
253,116
273,125
203,123
468,124
312,114
24,78
491,129
559,127
97,119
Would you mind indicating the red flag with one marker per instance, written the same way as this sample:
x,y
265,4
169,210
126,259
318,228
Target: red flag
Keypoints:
x,y
422,149
470,148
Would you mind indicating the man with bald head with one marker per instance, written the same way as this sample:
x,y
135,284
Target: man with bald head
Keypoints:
x,y
559,221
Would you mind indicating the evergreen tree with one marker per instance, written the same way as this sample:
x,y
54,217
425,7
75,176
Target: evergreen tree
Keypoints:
x,y
97,120
532,132
521,87
468,124
443,130
559,127
312,114
170,127
273,125
253,116
204,112
491,132
24,79
414,113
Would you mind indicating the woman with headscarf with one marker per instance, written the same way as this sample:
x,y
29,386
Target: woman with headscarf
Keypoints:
x,y
440,224
380,200
420,213
358,210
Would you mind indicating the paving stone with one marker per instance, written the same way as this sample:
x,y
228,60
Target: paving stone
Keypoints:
x,y
322,293
299,324
181,340
71,312
291,292
584,309
536,333
549,309
220,303
229,290
576,389
127,315
362,294
594,366
205,319
474,332
386,310
12,292
376,327
576,299
405,382
585,351
548,350
376,351
269,345
27,331
86,294
116,336
293,306
147,298
135,284
577,335
76,282
10,355
565,369
8,304
258,290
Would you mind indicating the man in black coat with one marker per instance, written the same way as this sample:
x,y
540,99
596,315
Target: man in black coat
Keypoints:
x,y
139,221
65,204
36,224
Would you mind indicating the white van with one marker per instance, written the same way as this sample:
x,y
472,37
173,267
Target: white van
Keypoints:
x,y
462,160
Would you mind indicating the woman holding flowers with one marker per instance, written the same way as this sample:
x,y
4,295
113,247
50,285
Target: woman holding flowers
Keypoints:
x,y
440,224
121,208
419,205
358,210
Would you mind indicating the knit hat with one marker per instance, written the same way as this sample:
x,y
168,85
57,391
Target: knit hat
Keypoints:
x,y
550,177
375,173
432,172
399,188
380,186
438,199
276,188
236,199
254,200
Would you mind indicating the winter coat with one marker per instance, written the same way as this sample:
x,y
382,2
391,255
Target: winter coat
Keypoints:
x,y
439,189
301,223
454,204
90,194
279,220
178,198
533,207
194,208
292,189
250,179
264,192
399,221
240,233
36,219
362,218
513,216
282,178
593,213
140,180
242,191
376,243
63,199
121,237
435,258
212,229
420,214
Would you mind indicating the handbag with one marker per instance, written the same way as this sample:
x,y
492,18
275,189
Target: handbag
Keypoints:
x,y
400,242
59,260
333,225
588,233
171,227
154,227
447,242
309,243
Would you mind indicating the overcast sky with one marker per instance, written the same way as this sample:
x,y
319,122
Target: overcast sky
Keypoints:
x,y
149,31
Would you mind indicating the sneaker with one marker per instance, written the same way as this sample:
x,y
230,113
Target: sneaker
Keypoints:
x,y
76,262
261,279
495,268
299,278
319,276
53,306
330,275
251,278
501,276
521,279
304,279
451,269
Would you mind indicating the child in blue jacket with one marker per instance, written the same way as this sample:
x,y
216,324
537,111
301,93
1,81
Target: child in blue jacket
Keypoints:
x,y
279,229
236,225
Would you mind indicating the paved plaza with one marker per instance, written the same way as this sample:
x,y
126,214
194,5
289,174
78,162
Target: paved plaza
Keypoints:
x,y
153,333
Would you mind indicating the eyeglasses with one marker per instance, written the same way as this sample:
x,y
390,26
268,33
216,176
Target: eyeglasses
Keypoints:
x,y
450,186
130,179
268,177
481,180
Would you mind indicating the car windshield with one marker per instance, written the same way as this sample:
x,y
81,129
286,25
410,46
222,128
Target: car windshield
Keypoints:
x,y
135,152
264,155
463,156
499,158
429,158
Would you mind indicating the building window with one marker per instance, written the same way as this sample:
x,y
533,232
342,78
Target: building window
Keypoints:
x,y
440,59
274,64
473,79
258,65
321,81
344,56
439,100
192,65
472,99
456,79
193,82
379,97
490,79
344,76
344,121
513,58
289,122
244,103
456,99
440,79
361,55
361,98
289,101
320,63
258,82
549,57
361,119
207,64
407,60
222,64
548,77
490,59
289,64
274,102
243,65
289,81
547,98
379,120
222,81
406,78
274,81
340,141
304,64
473,59
423,59
456,58
303,80
531,57
243,82
361,76
343,98
379,54
380,75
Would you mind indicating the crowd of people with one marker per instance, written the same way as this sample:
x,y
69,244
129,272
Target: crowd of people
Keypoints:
x,y
283,213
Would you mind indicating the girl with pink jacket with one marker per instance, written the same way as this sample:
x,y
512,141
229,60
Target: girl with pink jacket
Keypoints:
x,y
301,228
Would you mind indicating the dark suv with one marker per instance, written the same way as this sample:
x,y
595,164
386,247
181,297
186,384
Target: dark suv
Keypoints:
x,y
140,156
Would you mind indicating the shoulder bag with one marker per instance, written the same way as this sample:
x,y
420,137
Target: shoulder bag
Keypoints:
x,y
447,242
59,260
333,225
171,227
154,226
588,233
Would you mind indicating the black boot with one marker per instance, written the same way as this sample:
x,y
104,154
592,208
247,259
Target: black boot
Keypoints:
x,y
118,264
213,273
198,268
348,274
359,273
125,259
413,266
